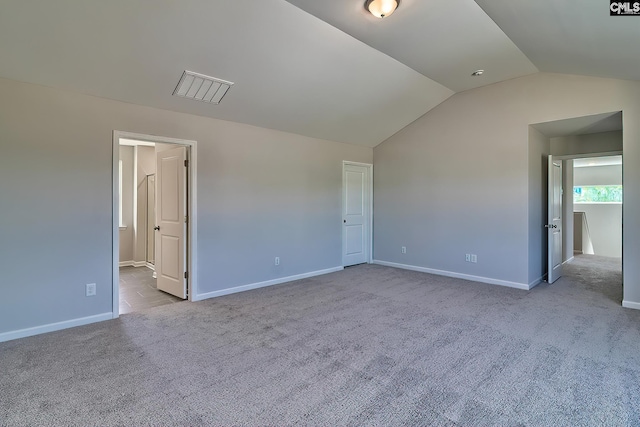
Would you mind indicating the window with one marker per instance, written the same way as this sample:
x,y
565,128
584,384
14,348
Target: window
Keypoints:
x,y
597,194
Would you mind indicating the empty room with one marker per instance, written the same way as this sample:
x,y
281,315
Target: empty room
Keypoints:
x,y
339,212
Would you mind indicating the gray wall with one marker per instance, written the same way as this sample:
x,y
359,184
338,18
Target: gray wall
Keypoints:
x,y
567,210
127,237
146,165
605,227
539,146
262,193
458,179
605,220
598,175
602,142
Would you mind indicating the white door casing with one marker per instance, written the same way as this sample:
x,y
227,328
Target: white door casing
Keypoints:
x,y
356,213
171,222
554,222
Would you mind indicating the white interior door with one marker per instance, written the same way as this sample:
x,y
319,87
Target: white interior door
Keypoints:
x,y
356,215
171,224
554,224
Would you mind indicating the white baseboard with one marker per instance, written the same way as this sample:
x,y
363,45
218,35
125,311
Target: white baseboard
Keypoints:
x,y
569,260
150,266
132,263
470,277
537,281
36,330
630,304
207,295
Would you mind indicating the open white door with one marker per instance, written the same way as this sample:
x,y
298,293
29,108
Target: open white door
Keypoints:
x,y
554,224
356,214
171,223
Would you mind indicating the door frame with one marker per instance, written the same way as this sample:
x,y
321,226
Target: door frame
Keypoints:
x,y
586,156
192,219
369,203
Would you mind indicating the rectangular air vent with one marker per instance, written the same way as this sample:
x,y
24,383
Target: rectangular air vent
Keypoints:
x,y
202,88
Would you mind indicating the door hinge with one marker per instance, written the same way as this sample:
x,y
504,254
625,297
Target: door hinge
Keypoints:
x,y
186,163
186,275
186,219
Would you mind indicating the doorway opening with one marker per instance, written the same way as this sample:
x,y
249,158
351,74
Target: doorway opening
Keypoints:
x,y
154,221
593,237
589,154
597,206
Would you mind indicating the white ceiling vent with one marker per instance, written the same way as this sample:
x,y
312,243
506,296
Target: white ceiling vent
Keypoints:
x,y
202,88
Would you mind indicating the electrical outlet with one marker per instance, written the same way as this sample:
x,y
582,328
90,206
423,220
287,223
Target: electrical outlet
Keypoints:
x,y
403,249
474,258
277,262
467,257
90,289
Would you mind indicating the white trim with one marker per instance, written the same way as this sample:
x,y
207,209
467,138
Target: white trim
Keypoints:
x,y
591,154
537,281
369,167
470,277
136,143
36,330
630,304
115,219
265,283
150,266
132,264
596,203
569,260
192,263
134,218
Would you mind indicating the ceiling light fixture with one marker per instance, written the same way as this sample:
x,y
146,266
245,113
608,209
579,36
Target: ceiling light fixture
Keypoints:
x,y
381,8
477,73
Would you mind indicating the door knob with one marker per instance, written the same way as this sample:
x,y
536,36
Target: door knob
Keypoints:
x,y
344,220
157,228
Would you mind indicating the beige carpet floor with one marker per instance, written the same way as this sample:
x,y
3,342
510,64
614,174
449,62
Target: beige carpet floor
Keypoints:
x,y
370,345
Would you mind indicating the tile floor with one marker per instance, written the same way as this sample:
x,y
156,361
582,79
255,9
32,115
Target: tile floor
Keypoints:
x,y
138,290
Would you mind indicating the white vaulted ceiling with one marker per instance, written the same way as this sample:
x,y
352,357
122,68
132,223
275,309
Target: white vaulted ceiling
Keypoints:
x,y
445,40
324,69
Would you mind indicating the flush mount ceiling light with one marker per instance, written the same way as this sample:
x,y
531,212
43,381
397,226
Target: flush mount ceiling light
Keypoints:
x,y
381,8
202,88
477,73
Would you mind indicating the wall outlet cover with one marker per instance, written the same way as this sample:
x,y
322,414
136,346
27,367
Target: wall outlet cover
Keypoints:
x,y
90,289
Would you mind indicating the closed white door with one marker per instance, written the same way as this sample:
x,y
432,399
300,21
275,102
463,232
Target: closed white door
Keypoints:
x,y
171,221
356,215
554,224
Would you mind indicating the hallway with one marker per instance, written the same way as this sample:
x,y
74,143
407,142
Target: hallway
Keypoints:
x,y
594,273
138,290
